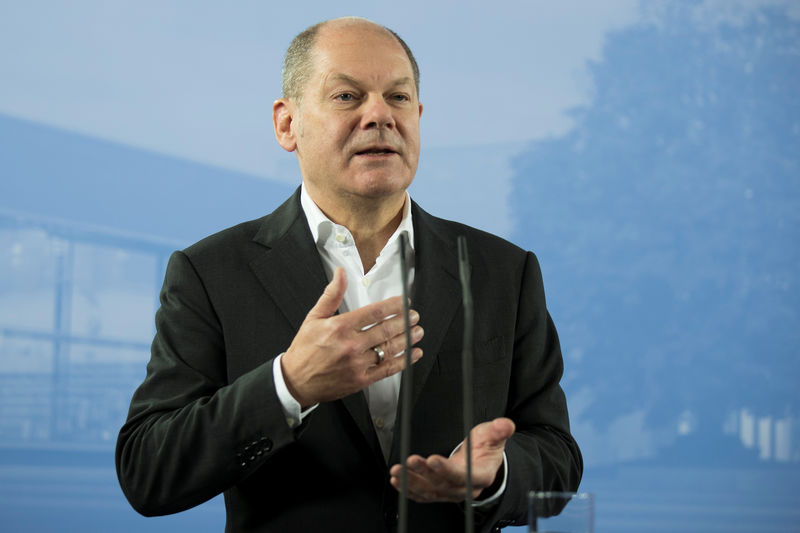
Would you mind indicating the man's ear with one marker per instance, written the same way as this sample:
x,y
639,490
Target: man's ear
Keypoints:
x,y
282,116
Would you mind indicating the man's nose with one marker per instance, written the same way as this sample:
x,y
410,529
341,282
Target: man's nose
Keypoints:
x,y
377,114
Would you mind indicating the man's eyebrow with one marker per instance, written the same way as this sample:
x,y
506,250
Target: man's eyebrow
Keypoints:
x,y
352,81
343,77
403,81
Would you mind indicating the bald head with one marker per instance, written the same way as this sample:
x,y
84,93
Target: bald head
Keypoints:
x,y
298,62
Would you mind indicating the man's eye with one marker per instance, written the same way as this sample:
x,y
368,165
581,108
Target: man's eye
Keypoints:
x,y
344,97
401,97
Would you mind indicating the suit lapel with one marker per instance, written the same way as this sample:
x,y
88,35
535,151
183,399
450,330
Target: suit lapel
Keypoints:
x,y
291,272
437,291
290,269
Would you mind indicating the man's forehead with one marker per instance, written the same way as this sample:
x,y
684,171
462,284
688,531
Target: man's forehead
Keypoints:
x,y
354,40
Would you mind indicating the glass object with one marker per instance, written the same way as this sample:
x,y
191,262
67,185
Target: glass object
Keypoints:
x,y
561,512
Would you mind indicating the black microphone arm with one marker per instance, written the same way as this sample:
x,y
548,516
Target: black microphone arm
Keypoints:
x,y
405,409
466,374
466,383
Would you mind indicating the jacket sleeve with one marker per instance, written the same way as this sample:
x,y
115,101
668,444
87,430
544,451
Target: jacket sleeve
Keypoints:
x,y
190,433
542,455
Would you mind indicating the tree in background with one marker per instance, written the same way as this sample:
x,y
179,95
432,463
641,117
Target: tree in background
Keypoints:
x,y
668,223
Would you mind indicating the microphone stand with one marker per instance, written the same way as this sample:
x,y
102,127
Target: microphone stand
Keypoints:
x,y
405,410
466,374
466,383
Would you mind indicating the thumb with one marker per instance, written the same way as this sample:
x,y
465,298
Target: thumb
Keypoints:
x,y
331,297
493,434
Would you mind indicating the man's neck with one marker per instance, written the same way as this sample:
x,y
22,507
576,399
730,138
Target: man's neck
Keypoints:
x,y
370,221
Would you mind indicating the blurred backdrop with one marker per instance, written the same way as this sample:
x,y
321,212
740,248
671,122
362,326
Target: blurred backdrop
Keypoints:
x,y
649,153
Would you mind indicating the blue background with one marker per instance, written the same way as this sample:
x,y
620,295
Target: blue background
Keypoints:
x,y
649,154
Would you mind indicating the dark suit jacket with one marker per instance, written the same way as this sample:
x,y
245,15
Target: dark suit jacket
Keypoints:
x,y
207,420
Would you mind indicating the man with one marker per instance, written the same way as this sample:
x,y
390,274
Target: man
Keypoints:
x,y
274,376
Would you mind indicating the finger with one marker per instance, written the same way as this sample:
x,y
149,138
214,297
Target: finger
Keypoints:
x,y
415,463
413,490
395,346
434,484
448,471
427,487
450,479
438,479
331,297
422,491
396,469
391,366
493,434
453,471
390,333
423,486
375,313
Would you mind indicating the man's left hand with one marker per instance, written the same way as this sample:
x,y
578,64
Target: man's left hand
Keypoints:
x,y
443,479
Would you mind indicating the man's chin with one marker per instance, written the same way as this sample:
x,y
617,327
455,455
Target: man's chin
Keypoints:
x,y
378,185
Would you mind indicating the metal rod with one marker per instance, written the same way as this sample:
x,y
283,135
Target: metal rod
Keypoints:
x,y
466,374
406,387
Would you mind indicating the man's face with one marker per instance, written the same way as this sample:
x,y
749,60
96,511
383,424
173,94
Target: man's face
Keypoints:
x,y
356,129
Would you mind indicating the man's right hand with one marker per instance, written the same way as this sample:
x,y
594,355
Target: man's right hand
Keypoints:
x,y
332,355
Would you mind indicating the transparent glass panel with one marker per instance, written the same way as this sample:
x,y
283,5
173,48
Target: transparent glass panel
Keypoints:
x,y
114,293
100,381
27,278
26,390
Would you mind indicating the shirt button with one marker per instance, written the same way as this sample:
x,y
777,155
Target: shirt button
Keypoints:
x,y
340,237
365,282
379,423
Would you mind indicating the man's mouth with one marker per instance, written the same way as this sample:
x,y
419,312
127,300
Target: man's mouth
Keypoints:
x,y
376,151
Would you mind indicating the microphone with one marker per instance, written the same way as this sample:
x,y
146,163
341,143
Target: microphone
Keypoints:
x,y
405,409
466,373
466,383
